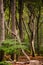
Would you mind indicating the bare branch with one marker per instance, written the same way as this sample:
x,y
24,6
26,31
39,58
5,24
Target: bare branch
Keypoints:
x,y
18,41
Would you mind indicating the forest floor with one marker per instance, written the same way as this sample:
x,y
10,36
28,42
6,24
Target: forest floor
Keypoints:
x,y
38,60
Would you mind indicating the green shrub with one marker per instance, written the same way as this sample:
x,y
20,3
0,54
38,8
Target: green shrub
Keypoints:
x,y
41,51
5,63
13,46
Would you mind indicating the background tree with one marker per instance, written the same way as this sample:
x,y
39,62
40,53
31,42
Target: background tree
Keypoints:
x,y
13,16
2,28
20,6
38,21
13,20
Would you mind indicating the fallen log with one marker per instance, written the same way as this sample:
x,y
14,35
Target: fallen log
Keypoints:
x,y
31,62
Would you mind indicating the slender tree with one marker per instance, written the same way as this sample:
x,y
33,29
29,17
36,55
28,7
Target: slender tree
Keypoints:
x,y
20,4
13,15
2,29
38,21
32,28
13,20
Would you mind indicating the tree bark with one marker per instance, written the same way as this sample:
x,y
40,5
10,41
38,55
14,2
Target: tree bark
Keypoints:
x,y
20,19
13,19
2,29
33,31
13,16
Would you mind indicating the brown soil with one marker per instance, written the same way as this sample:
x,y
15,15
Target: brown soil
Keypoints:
x,y
38,60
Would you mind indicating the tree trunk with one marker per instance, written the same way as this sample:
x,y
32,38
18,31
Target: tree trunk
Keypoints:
x,y
8,23
20,19
33,40
13,16
38,18
32,30
13,19
2,29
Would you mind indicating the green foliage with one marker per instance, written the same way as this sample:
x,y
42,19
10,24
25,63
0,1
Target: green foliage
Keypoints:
x,y
12,46
4,63
6,14
41,50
